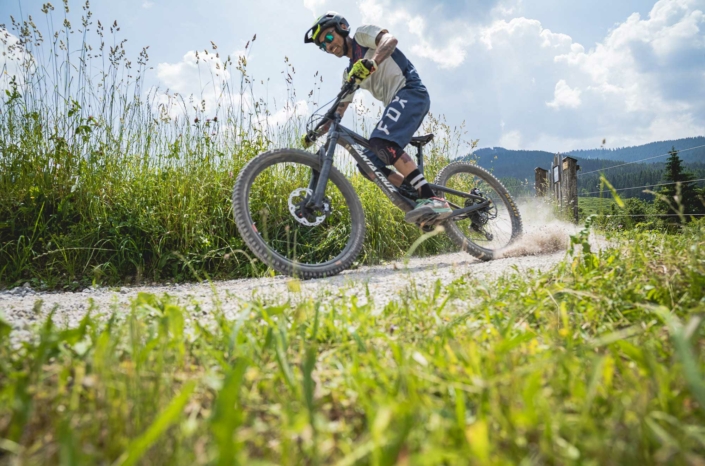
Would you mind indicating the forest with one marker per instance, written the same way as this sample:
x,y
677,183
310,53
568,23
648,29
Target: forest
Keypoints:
x,y
516,167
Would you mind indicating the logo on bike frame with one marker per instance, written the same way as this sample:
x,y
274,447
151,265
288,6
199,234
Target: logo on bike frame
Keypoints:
x,y
382,179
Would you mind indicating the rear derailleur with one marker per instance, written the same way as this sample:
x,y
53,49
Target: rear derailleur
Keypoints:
x,y
480,218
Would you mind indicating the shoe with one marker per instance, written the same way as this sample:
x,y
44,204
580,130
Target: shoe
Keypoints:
x,y
407,190
428,210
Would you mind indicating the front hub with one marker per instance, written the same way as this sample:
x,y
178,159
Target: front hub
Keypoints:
x,y
304,214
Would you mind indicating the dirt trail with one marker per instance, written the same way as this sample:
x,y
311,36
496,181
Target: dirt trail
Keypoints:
x,y
542,247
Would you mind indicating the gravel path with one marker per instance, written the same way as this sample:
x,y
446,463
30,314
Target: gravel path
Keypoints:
x,y
21,307
541,248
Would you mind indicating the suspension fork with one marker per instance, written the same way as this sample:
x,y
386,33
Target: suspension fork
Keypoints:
x,y
320,179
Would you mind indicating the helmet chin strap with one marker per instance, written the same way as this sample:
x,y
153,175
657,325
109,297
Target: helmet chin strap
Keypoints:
x,y
345,46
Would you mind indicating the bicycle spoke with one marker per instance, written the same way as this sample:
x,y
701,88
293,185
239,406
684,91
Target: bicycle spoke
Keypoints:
x,y
490,227
316,236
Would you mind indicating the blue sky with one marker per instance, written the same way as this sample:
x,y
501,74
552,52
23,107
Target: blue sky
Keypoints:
x,y
523,74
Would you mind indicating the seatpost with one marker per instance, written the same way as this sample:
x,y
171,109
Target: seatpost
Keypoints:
x,y
419,157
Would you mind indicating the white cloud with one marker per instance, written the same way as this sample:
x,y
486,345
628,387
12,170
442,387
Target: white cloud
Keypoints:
x,y
645,65
507,8
14,60
200,76
511,140
199,80
522,31
643,81
285,114
564,96
452,54
147,5
316,7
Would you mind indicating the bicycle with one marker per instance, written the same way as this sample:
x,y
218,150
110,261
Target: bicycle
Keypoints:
x,y
318,230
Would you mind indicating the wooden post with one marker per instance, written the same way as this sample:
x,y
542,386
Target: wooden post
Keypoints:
x,y
541,181
569,187
556,178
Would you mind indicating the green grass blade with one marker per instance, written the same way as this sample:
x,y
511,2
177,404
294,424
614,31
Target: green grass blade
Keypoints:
x,y
139,446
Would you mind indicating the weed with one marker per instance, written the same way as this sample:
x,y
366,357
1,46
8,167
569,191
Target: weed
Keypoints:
x,y
595,362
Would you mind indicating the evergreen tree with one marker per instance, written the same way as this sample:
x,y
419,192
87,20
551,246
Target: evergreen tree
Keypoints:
x,y
681,194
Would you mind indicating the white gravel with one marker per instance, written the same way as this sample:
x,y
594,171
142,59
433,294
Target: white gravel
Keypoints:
x,y
542,247
22,309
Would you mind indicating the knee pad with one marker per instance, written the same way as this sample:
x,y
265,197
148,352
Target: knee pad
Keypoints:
x,y
389,152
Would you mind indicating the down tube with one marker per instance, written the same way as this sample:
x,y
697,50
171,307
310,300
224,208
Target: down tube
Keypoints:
x,y
357,150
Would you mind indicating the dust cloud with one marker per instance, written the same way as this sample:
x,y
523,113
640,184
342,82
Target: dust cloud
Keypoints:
x,y
543,232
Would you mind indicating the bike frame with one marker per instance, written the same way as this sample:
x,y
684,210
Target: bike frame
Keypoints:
x,y
355,145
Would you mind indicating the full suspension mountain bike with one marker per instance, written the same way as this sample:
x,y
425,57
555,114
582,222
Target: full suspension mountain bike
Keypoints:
x,y
301,216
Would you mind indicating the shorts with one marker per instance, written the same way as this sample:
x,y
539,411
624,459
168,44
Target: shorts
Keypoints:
x,y
403,116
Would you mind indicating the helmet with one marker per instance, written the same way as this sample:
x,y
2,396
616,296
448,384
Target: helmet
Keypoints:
x,y
324,22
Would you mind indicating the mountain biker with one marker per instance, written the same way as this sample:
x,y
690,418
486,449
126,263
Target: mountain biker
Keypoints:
x,y
378,66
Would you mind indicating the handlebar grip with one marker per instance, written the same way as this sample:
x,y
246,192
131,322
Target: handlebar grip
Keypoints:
x,y
310,138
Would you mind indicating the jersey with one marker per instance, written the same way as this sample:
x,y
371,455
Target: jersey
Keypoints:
x,y
392,75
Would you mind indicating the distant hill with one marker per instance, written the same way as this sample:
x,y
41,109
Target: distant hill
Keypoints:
x,y
520,164
691,150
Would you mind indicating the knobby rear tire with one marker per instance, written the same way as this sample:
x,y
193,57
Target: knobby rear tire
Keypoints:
x,y
259,247
455,233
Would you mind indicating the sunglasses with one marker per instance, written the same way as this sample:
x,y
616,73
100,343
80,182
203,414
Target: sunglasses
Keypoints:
x,y
325,41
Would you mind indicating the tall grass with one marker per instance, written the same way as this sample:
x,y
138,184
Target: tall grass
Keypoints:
x,y
106,179
597,362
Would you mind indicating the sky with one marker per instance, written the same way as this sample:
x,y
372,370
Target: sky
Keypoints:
x,y
552,75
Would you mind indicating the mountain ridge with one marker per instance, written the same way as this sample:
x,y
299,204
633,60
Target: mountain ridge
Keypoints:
x,y
521,163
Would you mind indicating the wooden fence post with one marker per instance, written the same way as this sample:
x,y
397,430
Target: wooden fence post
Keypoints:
x,y
541,181
569,187
556,177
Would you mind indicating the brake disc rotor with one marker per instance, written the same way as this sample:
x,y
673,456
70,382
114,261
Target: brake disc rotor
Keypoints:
x,y
295,208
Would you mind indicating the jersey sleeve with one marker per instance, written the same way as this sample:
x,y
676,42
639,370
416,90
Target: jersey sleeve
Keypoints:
x,y
366,35
349,97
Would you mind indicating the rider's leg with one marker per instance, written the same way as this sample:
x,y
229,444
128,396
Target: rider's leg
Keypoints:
x,y
428,208
395,178
391,154
402,117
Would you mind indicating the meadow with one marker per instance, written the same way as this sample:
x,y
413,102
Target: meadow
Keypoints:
x,y
105,179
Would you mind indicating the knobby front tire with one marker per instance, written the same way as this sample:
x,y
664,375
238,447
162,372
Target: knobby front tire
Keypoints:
x,y
261,199
505,227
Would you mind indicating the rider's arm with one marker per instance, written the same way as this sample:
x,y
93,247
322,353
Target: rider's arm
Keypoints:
x,y
386,44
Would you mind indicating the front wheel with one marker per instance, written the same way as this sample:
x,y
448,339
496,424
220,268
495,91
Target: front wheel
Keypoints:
x,y
483,233
271,213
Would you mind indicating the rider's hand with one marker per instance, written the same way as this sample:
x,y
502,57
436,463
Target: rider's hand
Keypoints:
x,y
308,139
361,70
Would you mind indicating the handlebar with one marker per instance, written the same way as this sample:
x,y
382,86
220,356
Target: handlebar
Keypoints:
x,y
347,89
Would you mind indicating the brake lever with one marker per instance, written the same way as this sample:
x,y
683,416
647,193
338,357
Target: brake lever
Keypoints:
x,y
347,89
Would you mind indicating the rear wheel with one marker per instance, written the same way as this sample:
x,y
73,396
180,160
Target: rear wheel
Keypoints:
x,y
486,232
270,208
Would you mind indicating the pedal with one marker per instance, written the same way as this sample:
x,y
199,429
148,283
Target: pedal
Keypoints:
x,y
427,222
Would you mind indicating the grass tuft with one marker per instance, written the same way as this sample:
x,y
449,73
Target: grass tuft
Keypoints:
x,y
595,362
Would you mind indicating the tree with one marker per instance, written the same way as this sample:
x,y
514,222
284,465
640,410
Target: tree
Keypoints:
x,y
680,195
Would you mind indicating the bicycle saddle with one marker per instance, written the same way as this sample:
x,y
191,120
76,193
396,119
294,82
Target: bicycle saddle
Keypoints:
x,y
420,141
